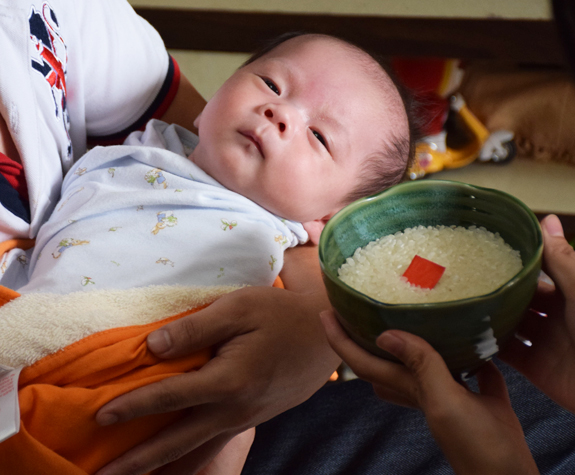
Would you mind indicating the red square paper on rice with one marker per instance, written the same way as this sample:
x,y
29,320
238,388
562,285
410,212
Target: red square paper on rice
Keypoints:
x,y
423,273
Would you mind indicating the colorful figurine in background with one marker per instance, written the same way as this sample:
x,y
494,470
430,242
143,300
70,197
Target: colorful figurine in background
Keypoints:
x,y
453,136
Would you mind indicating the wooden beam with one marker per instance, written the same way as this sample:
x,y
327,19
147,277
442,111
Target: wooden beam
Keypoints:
x,y
519,41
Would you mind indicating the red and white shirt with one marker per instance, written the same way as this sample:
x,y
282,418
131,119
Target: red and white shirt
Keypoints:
x,y
74,69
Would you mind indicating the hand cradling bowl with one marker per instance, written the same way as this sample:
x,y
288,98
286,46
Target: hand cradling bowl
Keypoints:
x,y
466,332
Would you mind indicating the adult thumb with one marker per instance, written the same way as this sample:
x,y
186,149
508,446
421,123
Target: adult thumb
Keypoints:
x,y
558,255
429,371
193,332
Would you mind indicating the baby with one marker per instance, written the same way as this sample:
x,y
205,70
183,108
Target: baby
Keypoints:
x,y
296,133
302,129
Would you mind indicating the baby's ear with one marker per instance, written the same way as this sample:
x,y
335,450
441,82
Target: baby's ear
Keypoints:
x,y
314,228
197,121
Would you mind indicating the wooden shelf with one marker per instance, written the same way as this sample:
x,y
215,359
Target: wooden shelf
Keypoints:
x,y
519,41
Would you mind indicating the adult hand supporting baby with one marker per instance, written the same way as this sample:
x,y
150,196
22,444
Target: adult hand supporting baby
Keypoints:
x,y
478,433
271,354
550,362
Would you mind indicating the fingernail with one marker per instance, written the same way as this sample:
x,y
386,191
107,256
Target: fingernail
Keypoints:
x,y
543,277
159,341
107,419
553,225
391,342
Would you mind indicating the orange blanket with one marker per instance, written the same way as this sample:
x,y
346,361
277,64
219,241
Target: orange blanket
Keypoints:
x,y
60,394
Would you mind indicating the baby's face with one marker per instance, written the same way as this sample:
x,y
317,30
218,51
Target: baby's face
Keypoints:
x,y
291,130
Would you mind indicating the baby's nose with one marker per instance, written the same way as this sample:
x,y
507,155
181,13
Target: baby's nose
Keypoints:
x,y
281,124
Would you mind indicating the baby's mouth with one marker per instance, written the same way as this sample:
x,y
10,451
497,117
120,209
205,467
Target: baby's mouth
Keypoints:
x,y
255,140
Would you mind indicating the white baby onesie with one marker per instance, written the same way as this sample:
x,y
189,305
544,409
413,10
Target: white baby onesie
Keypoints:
x,y
141,214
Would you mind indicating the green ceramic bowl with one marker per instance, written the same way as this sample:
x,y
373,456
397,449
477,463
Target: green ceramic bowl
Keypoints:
x,y
465,332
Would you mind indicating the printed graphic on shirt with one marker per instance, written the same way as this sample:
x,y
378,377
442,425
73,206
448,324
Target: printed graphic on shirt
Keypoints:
x,y
68,199
165,261
166,219
23,260
156,178
228,224
272,262
50,59
281,239
67,243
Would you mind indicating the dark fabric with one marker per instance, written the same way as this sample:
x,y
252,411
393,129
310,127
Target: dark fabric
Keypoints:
x,y
345,429
11,200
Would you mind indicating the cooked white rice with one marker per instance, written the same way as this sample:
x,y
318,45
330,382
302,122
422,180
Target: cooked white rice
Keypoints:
x,y
476,262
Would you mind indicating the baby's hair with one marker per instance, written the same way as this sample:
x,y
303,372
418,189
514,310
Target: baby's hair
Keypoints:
x,y
390,164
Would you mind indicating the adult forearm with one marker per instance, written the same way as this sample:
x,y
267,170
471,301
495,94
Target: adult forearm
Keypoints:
x,y
302,274
185,107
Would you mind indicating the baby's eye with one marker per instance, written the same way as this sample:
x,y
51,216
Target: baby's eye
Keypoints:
x,y
271,85
320,138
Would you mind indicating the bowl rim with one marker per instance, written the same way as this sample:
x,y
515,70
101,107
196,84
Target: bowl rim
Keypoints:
x,y
527,268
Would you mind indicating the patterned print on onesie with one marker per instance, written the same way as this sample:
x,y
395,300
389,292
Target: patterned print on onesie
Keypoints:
x,y
166,219
156,178
67,243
